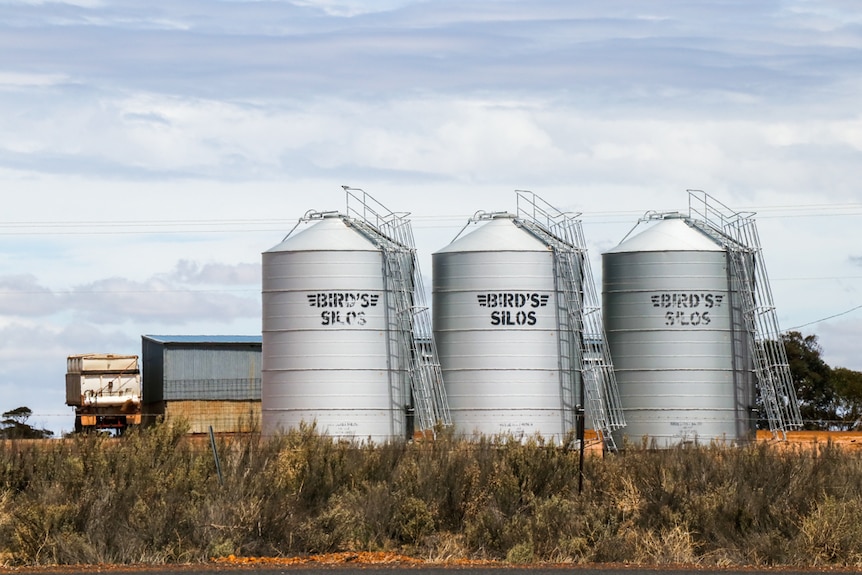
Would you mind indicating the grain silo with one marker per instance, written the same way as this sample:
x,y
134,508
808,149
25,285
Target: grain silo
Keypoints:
x,y
344,341
513,329
690,325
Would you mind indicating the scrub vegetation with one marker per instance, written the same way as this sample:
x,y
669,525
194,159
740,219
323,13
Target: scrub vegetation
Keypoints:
x,y
156,496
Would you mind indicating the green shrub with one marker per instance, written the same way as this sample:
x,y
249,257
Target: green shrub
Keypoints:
x,y
520,553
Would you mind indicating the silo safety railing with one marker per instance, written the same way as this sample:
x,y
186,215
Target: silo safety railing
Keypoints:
x,y
411,342
582,343
737,233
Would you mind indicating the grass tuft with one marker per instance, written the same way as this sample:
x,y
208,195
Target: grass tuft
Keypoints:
x,y
154,496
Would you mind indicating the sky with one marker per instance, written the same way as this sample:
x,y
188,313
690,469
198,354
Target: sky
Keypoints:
x,y
150,151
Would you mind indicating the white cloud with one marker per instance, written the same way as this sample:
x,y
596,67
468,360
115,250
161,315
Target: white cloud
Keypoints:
x,y
349,8
190,272
117,300
22,296
149,153
188,293
839,340
14,80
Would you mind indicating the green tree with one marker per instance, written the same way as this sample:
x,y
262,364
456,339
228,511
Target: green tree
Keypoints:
x,y
812,379
829,398
848,389
14,425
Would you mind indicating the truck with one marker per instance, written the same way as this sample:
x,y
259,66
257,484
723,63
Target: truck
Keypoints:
x,y
105,390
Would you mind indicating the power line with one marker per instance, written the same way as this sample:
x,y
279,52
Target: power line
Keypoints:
x,y
121,291
824,319
815,278
62,227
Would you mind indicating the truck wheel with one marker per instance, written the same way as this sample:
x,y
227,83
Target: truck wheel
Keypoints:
x,y
78,427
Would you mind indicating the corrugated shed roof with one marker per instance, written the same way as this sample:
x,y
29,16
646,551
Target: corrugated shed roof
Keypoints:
x,y
224,339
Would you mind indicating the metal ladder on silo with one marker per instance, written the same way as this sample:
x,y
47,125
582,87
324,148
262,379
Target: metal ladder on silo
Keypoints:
x,y
424,370
595,368
562,234
737,233
592,370
596,351
415,346
570,330
770,359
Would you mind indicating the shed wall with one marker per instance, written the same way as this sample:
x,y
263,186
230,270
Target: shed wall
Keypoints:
x,y
202,371
222,416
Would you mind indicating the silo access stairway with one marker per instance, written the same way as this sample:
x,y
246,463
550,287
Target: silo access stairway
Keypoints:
x,y
411,341
737,233
583,348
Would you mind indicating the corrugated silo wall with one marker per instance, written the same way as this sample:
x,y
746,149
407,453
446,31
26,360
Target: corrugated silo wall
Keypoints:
x,y
327,339
497,330
679,349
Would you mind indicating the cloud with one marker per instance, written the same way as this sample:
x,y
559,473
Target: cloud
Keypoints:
x,y
538,139
840,341
435,92
118,300
18,80
267,50
22,295
189,272
25,345
178,297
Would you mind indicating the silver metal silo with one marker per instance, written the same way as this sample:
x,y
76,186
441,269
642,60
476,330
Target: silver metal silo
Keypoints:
x,y
517,324
677,337
495,323
347,338
325,335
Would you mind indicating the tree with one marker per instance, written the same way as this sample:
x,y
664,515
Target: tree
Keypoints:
x,y
14,425
848,389
812,379
829,398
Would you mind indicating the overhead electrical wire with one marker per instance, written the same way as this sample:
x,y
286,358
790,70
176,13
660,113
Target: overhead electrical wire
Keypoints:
x,y
275,225
824,318
56,227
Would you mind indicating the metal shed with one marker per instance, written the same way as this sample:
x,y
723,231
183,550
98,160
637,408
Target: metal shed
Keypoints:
x,y
208,380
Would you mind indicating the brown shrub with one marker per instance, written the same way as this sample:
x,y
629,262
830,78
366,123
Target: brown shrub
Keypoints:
x,y
154,496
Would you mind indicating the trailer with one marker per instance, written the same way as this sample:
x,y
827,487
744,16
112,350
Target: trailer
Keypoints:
x,y
105,390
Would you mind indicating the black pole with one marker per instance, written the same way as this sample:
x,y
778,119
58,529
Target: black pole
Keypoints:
x,y
580,423
215,456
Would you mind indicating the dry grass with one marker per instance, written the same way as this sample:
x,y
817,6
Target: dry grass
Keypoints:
x,y
155,497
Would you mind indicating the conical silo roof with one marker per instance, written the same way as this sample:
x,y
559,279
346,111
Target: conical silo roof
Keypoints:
x,y
668,235
332,233
500,234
